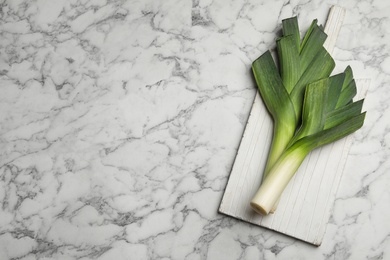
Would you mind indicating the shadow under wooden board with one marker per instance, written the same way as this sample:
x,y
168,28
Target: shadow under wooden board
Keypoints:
x,y
306,203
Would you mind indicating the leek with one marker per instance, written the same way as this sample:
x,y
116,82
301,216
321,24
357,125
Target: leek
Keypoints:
x,y
309,107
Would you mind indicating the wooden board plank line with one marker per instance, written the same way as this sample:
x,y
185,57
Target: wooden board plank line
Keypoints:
x,y
259,169
317,195
247,157
253,145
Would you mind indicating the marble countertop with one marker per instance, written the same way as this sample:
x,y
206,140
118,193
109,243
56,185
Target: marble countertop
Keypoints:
x,y
120,121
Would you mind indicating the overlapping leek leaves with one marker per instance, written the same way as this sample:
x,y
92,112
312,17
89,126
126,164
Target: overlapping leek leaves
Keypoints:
x,y
310,108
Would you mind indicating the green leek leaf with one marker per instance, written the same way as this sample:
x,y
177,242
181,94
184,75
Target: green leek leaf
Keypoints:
x,y
347,94
335,85
342,114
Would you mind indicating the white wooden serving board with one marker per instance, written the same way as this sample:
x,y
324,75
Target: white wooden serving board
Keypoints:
x,y
306,203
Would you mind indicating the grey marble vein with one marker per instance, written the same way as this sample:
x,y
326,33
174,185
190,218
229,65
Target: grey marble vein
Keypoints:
x,y
120,121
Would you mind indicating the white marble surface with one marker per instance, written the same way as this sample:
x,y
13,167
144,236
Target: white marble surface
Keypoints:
x,y
120,121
